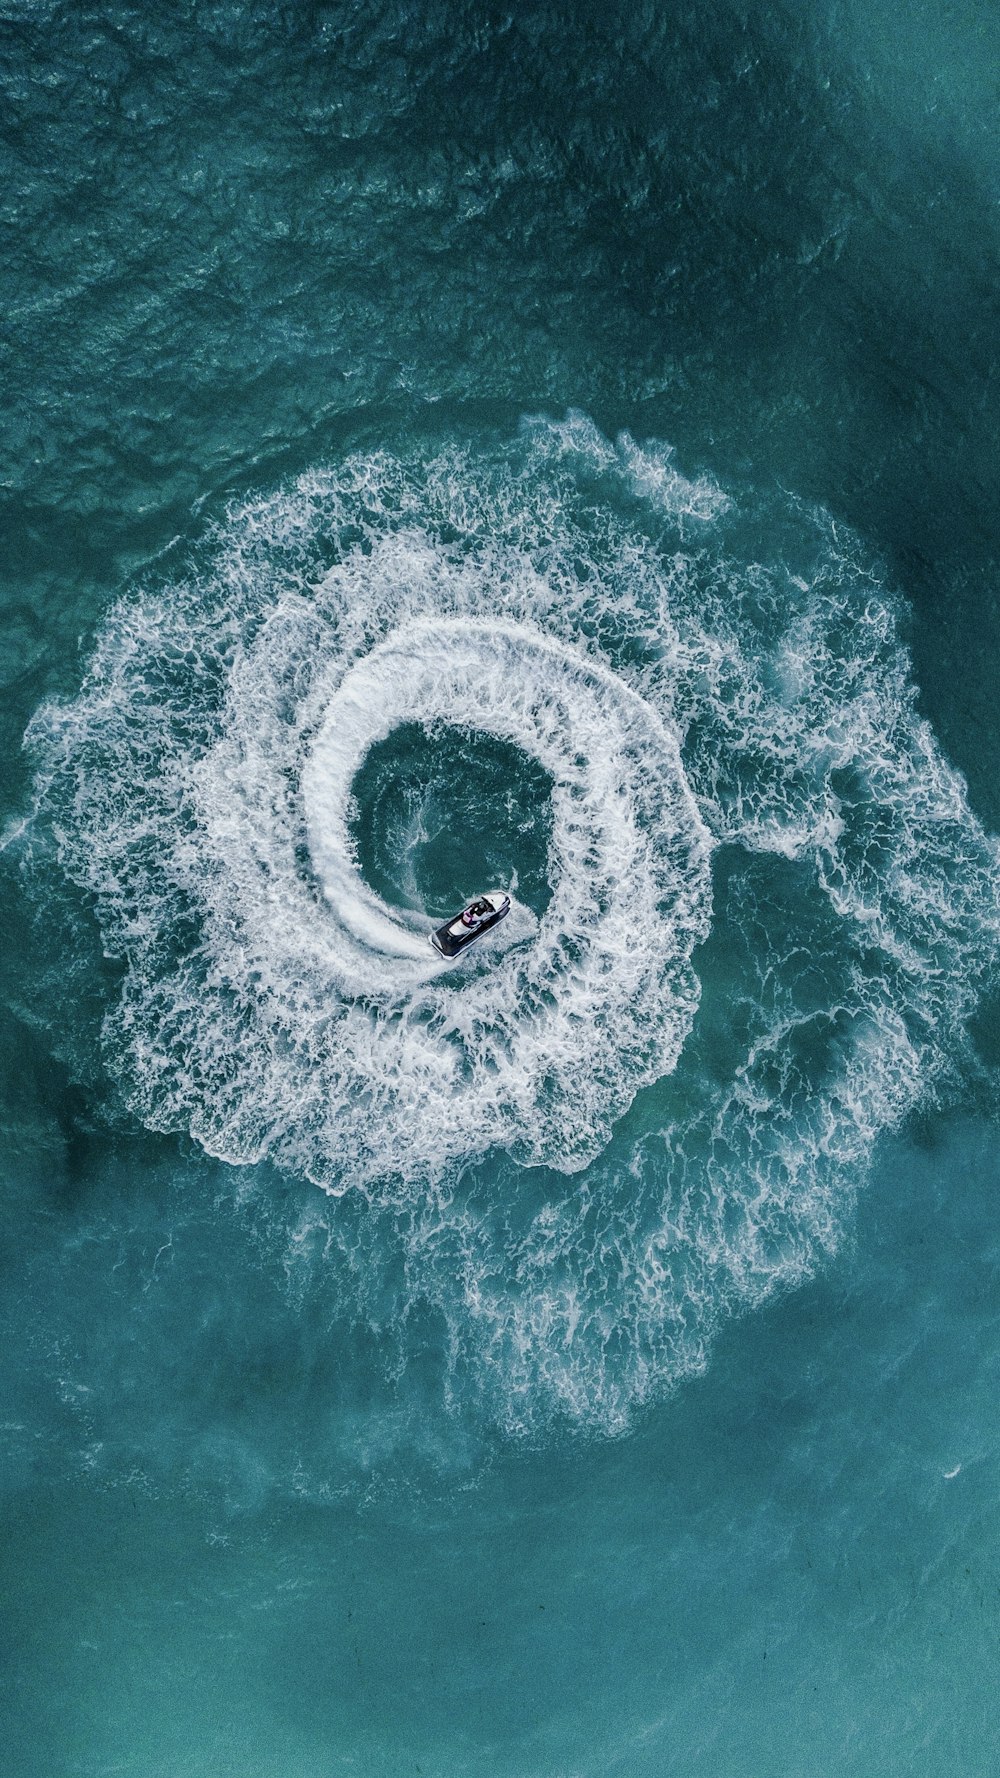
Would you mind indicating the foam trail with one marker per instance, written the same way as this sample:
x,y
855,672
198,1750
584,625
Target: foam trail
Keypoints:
x,y
584,726
693,710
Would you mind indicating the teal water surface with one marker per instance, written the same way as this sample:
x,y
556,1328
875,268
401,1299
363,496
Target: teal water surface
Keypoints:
x,y
450,447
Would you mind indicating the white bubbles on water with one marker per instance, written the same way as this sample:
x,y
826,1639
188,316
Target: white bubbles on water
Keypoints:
x,y
310,1021
632,1113
539,1049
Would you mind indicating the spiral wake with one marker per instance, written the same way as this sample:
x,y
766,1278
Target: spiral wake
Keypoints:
x,y
697,716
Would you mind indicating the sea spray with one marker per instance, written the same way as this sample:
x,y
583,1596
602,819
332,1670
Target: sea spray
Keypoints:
x,y
770,907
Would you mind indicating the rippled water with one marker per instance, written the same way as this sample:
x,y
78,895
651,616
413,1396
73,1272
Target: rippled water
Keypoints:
x,y
550,452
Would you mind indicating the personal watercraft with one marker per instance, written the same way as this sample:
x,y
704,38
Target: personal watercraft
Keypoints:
x,y
463,929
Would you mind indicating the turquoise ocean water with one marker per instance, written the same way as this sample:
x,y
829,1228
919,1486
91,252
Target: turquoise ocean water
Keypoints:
x,y
551,448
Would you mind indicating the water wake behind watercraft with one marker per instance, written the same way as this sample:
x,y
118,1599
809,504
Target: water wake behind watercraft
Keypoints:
x,y
694,712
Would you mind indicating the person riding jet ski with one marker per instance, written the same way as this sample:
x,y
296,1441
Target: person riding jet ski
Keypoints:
x,y
476,912
478,918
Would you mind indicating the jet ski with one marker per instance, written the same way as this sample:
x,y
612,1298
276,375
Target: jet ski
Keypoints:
x,y
463,929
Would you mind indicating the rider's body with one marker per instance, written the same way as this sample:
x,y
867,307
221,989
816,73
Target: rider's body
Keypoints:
x,y
477,911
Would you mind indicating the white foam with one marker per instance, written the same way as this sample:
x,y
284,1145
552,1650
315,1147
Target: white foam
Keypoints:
x,y
199,787
544,1044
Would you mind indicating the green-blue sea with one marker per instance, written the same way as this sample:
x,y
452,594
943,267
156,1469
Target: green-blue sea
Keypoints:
x,y
549,450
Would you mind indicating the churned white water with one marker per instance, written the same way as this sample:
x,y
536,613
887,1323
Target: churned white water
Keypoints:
x,y
697,709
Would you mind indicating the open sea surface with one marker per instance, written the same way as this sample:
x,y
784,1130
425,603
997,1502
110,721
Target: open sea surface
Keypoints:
x,y
450,447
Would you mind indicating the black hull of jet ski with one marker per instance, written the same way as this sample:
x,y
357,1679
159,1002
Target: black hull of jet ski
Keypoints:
x,y
449,943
